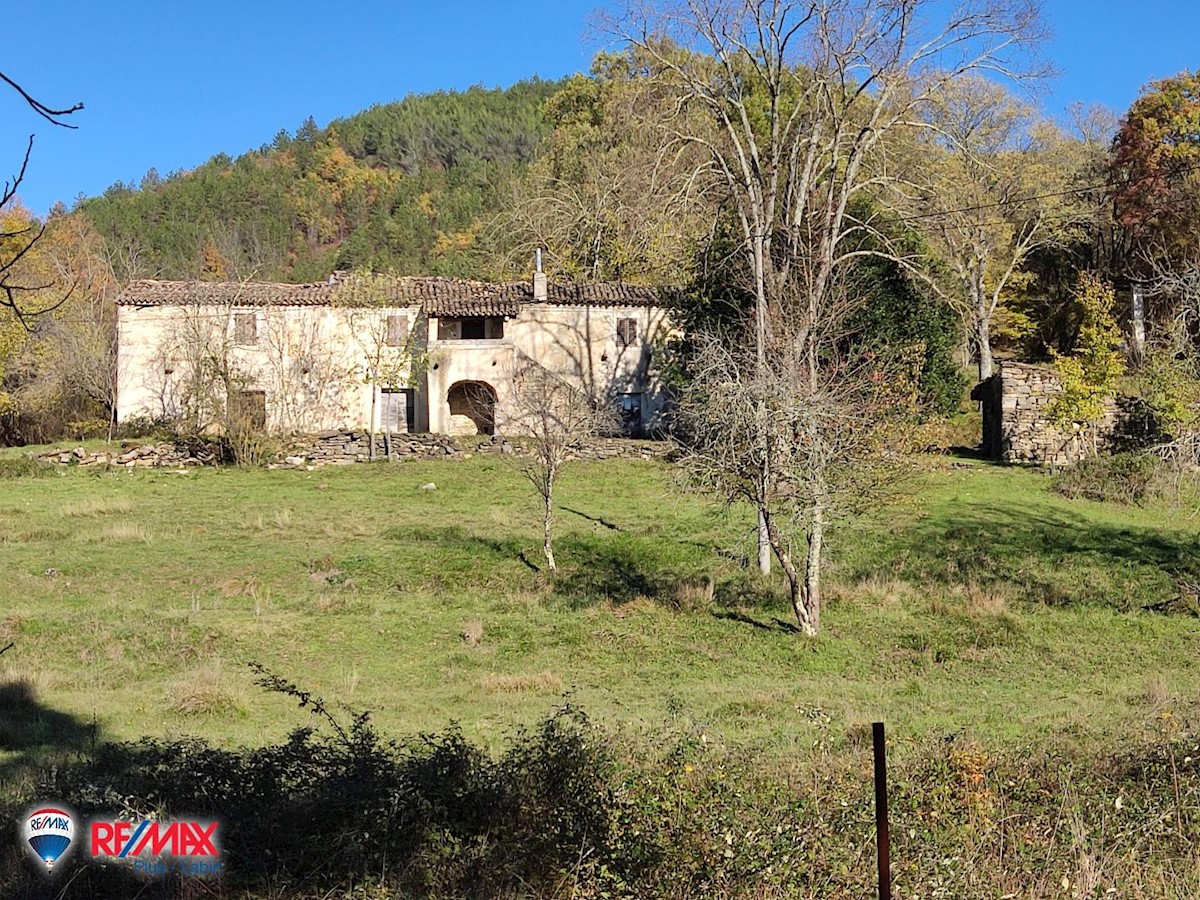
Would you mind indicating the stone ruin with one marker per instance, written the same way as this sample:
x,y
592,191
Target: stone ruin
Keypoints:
x,y
1017,426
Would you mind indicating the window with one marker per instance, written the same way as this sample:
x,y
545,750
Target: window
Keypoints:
x,y
626,332
397,330
245,329
247,411
471,328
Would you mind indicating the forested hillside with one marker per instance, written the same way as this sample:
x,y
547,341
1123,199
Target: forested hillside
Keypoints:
x,y
407,186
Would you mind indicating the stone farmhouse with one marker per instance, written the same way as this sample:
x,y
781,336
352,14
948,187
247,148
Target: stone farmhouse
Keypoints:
x,y
383,353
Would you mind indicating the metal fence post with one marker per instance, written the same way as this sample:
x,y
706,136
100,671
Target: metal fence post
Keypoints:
x,y
883,842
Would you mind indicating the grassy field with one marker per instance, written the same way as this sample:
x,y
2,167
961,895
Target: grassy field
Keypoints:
x,y
979,602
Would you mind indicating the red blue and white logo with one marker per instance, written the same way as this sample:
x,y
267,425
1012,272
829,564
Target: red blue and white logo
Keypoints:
x,y
49,832
158,847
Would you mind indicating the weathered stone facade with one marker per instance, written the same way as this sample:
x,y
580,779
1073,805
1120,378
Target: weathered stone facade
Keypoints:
x,y
1018,428
383,353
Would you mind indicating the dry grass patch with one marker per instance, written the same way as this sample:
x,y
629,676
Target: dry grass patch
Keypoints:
x,y
95,507
206,690
121,533
25,682
239,586
874,592
536,683
985,600
694,594
329,603
32,536
1155,695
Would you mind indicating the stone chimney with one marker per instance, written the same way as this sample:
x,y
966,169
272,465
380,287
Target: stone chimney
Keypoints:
x,y
539,278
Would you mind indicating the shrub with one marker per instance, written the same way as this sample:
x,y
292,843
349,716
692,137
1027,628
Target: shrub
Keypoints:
x,y
1128,478
431,816
24,467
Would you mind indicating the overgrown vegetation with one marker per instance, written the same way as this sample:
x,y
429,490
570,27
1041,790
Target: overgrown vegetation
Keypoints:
x,y
565,810
1129,477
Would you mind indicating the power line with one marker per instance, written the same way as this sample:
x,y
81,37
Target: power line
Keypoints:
x,y
1018,201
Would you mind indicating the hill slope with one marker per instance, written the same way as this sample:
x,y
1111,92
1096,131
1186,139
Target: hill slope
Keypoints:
x,y
408,185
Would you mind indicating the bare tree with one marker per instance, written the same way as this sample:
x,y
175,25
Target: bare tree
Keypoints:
x,y
806,94
799,435
302,364
557,416
994,190
384,336
14,289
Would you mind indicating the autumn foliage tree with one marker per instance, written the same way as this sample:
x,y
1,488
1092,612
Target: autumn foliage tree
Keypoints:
x,y
991,194
1155,167
1091,371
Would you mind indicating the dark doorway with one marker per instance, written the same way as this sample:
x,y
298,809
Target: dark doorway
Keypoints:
x,y
247,410
477,401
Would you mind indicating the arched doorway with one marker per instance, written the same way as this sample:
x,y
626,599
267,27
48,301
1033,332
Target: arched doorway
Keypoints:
x,y
472,403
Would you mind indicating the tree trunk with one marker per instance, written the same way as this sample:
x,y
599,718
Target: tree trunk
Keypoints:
x,y
983,338
812,568
371,425
796,586
760,343
548,521
764,546
983,323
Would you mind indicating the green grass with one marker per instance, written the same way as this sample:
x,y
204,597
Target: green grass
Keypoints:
x,y
978,602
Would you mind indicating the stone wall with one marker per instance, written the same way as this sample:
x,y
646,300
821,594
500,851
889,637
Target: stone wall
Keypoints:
x,y
339,447
1017,427
343,448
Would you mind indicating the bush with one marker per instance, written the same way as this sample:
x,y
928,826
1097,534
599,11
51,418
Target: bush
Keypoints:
x,y
1127,478
24,467
431,816
347,814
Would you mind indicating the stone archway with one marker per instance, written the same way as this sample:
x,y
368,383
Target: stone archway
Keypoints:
x,y
472,407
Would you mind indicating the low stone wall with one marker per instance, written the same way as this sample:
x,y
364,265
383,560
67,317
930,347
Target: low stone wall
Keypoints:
x,y
343,448
340,447
172,454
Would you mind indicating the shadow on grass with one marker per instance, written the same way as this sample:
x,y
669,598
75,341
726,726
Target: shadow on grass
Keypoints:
x,y
1046,555
599,520
33,734
616,569
774,624
611,566
458,551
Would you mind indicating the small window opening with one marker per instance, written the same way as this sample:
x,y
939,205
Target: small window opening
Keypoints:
x,y
245,329
397,330
626,332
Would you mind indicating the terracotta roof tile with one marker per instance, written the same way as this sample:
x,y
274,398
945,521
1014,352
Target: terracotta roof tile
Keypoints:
x,y
148,292
436,296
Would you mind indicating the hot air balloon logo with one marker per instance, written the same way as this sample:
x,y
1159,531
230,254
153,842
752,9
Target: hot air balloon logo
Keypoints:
x,y
49,832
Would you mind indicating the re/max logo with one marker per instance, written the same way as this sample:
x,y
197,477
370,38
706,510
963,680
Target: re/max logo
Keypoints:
x,y
121,840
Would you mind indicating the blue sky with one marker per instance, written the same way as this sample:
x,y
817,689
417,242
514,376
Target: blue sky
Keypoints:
x,y
168,84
